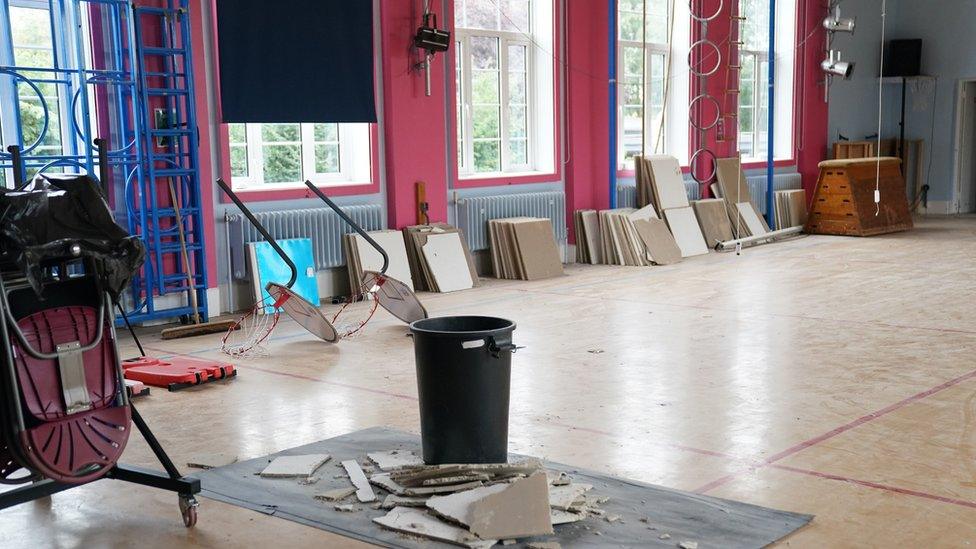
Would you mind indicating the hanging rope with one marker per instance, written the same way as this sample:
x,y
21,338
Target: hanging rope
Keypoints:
x,y
644,94
667,80
877,175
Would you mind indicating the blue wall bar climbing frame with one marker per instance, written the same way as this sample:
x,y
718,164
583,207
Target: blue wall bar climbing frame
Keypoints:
x,y
113,65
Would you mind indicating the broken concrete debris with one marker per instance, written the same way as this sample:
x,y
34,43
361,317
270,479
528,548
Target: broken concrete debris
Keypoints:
x,y
688,545
563,497
395,459
338,494
558,478
211,461
295,466
516,510
471,505
394,500
363,490
544,545
419,522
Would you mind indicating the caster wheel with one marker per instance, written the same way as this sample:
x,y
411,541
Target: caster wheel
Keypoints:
x,y
188,508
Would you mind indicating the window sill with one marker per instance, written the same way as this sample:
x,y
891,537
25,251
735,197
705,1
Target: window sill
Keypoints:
x,y
497,179
756,163
258,194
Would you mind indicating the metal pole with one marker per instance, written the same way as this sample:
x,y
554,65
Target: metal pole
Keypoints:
x,y
901,125
731,244
612,40
770,120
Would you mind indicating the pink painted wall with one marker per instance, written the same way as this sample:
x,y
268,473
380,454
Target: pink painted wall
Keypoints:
x,y
418,130
414,124
587,96
811,112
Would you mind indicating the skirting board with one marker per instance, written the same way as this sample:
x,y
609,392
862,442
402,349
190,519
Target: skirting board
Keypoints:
x,y
171,301
936,207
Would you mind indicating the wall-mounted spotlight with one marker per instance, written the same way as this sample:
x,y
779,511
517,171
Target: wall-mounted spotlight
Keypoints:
x,y
430,40
835,67
836,23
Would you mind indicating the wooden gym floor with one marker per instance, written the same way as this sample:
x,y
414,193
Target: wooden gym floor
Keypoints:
x,y
832,376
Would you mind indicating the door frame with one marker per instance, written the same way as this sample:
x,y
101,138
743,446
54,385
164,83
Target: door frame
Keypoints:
x,y
962,110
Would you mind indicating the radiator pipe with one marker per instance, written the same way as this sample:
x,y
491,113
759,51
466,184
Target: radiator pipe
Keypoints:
x,y
318,192
264,232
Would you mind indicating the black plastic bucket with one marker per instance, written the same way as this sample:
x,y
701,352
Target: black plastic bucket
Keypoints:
x,y
464,369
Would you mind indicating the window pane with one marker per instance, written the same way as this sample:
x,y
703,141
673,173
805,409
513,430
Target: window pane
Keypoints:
x,y
237,133
755,29
282,163
326,132
632,125
326,158
459,102
486,121
515,15
484,52
633,59
745,119
238,161
30,27
518,152
517,122
484,87
630,26
272,133
487,156
632,94
481,14
516,88
516,58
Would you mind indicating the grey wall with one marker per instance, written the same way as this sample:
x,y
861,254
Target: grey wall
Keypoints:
x,y
948,31
948,53
854,102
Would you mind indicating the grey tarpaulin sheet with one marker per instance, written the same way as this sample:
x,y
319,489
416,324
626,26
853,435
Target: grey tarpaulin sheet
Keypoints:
x,y
709,521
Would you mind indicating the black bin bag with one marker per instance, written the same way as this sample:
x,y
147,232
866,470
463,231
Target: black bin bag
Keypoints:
x,y
44,219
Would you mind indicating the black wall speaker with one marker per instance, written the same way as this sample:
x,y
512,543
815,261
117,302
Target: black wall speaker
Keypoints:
x,y
903,58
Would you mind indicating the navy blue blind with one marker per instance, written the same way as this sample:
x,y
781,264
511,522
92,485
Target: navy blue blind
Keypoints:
x,y
296,60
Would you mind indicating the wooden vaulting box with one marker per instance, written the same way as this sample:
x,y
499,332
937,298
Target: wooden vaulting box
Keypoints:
x,y
843,203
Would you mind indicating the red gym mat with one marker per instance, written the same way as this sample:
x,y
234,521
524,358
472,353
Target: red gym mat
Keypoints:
x,y
176,373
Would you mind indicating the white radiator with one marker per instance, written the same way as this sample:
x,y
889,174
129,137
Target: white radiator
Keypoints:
x,y
474,213
781,182
322,225
627,194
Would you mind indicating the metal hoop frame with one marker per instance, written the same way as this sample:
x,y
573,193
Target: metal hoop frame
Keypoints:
x,y
718,58
718,112
704,19
694,160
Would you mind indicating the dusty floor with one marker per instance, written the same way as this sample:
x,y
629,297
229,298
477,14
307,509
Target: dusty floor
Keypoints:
x,y
832,376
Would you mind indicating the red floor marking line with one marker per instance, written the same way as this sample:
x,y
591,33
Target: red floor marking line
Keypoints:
x,y
757,465
869,417
842,429
718,482
315,379
335,383
885,487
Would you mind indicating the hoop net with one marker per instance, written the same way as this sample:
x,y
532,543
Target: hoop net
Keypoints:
x,y
245,339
